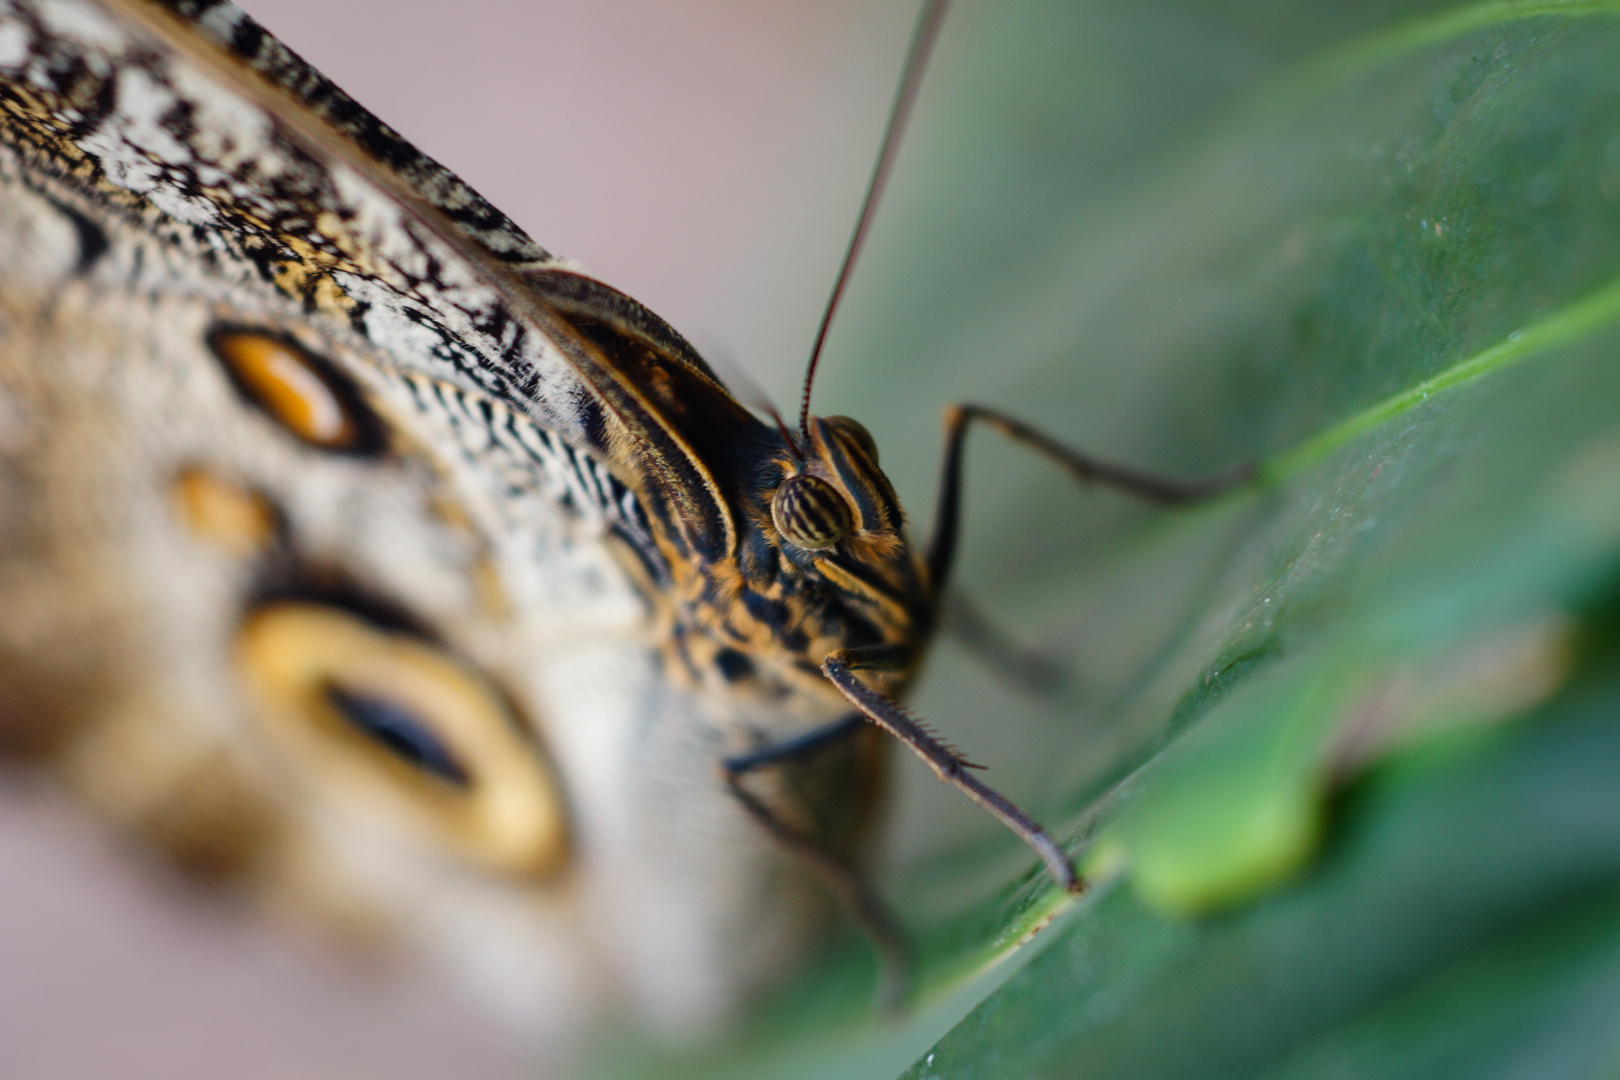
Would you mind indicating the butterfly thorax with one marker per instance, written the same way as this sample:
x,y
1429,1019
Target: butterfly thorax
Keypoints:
x,y
772,549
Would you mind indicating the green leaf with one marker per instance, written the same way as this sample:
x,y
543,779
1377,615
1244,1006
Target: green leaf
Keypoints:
x,y
1338,749
1423,944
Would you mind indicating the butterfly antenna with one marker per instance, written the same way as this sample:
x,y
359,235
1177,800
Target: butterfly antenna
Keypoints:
x,y
922,43
787,436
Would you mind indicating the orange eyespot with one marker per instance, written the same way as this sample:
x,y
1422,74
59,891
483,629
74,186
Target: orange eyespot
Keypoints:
x,y
857,431
222,513
391,725
301,391
810,513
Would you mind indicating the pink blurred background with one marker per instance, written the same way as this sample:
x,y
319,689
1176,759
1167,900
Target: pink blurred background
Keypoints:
x,y
707,157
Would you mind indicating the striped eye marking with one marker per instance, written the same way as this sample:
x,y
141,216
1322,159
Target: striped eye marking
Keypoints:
x,y
304,393
810,513
387,721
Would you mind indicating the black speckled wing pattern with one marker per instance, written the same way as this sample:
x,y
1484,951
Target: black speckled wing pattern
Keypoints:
x,y
169,168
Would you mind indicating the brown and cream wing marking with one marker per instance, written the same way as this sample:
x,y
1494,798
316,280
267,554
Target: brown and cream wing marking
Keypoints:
x,y
319,565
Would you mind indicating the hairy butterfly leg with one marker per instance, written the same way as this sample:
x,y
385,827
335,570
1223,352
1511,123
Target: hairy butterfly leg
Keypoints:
x,y
947,763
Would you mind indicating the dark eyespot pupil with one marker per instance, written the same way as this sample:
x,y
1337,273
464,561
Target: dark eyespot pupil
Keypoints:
x,y
733,665
399,731
304,393
810,513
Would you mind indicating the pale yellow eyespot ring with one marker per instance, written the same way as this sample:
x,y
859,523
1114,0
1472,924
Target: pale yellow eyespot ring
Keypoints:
x,y
386,720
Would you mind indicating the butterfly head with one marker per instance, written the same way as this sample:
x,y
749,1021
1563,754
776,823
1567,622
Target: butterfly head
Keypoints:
x,y
823,558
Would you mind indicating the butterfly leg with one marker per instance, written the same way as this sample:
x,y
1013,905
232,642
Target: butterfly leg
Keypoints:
x,y
942,542
1024,669
947,764
845,881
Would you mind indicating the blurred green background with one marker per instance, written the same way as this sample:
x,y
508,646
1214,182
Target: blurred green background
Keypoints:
x,y
1342,749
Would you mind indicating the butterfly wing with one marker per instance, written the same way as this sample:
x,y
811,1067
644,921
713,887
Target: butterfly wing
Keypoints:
x,y
211,261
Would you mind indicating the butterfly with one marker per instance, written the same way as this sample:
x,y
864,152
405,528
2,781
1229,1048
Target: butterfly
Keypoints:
x,y
357,546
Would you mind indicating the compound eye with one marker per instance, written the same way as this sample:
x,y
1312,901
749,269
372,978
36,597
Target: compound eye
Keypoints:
x,y
857,431
810,513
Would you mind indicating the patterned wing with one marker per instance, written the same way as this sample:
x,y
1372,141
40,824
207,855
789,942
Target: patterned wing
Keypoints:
x,y
310,569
